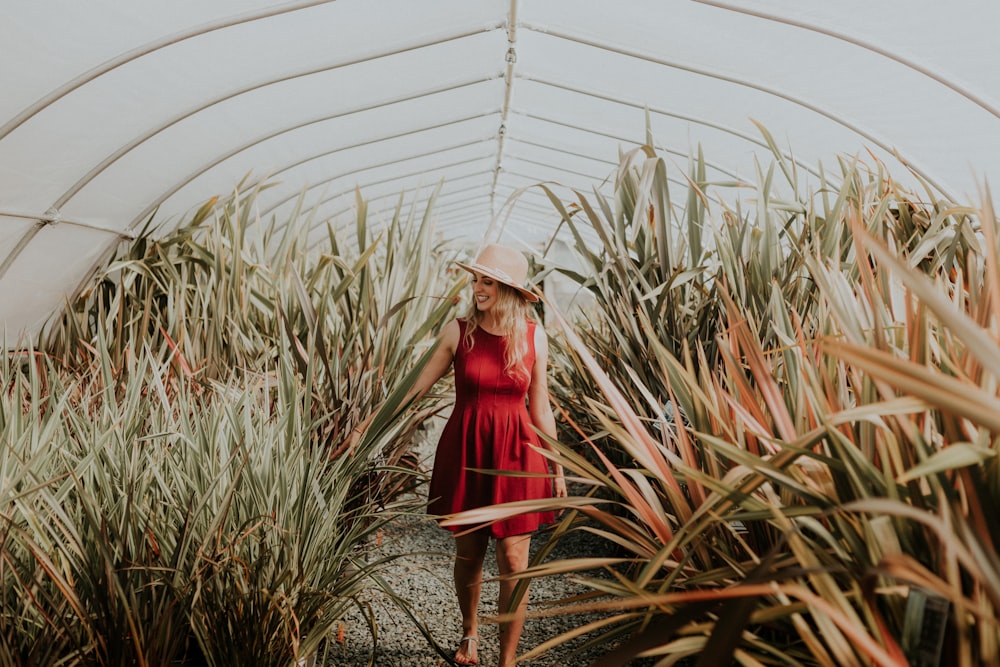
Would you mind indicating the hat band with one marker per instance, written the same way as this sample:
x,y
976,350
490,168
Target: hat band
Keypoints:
x,y
500,273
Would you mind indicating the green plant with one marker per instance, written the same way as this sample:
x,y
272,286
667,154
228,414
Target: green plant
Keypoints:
x,y
208,444
778,486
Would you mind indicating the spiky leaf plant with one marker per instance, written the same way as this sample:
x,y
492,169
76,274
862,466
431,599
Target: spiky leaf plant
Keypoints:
x,y
656,274
209,442
149,519
226,290
832,450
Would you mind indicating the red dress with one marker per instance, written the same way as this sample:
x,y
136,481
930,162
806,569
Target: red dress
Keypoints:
x,y
489,429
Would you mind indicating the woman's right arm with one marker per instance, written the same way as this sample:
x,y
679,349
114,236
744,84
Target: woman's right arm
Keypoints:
x,y
439,363
437,366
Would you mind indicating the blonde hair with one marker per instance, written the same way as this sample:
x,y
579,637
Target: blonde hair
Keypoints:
x,y
511,313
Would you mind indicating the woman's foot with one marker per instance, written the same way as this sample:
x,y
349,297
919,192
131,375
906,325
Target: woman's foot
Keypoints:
x,y
468,651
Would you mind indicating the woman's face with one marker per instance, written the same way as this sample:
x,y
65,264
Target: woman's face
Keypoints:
x,y
484,292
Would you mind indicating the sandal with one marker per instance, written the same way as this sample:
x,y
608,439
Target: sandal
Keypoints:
x,y
471,639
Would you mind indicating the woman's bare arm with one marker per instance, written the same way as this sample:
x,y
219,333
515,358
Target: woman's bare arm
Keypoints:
x,y
540,404
437,366
439,363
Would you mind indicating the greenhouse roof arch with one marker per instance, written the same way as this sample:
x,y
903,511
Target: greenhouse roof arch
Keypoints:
x,y
113,111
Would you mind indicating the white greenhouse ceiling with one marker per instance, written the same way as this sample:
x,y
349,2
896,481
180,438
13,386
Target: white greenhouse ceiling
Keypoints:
x,y
112,110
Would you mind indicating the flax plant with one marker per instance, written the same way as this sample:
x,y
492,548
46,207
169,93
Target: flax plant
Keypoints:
x,y
648,276
202,454
154,524
226,290
786,485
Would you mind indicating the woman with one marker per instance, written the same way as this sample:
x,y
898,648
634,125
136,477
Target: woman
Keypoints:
x,y
500,355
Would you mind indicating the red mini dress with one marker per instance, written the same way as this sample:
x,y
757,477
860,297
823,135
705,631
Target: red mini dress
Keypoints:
x,y
489,429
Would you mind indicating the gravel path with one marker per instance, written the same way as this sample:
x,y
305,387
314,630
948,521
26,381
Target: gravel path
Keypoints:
x,y
423,577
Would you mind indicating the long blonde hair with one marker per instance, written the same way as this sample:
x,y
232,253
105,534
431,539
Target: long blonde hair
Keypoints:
x,y
511,313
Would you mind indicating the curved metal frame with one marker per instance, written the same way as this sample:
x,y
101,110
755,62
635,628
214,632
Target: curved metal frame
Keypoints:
x,y
62,91
868,46
768,90
510,74
399,177
749,138
152,132
239,149
368,142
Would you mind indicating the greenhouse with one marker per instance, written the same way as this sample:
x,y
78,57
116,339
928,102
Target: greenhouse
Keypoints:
x,y
249,251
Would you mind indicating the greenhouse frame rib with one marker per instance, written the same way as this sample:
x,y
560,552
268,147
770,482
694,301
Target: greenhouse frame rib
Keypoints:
x,y
117,113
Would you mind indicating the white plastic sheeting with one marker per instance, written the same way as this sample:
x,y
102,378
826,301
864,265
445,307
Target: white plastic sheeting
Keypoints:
x,y
113,110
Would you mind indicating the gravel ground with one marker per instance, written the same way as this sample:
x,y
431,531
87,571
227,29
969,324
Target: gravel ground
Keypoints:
x,y
423,577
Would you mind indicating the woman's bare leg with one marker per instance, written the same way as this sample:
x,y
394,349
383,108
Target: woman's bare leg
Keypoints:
x,y
512,556
470,550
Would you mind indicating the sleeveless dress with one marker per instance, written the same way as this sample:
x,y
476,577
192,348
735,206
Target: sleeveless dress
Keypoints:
x,y
489,429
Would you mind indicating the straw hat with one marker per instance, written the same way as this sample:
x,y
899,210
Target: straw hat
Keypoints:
x,y
504,265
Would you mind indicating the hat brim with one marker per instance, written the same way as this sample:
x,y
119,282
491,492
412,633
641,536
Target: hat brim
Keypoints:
x,y
485,271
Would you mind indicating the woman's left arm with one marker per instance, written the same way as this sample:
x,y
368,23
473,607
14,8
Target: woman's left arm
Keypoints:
x,y
540,405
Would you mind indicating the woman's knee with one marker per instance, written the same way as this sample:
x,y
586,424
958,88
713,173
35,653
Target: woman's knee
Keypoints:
x,y
513,553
